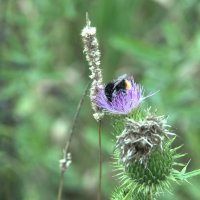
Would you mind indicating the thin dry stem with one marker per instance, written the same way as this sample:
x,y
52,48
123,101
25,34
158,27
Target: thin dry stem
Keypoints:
x,y
61,185
68,142
75,119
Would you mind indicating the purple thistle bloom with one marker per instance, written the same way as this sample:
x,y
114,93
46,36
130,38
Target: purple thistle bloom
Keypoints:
x,y
123,101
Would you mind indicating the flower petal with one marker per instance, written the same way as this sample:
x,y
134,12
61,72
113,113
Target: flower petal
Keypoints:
x,y
123,102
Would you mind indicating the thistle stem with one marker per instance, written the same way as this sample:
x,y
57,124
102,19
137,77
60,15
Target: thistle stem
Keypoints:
x,y
68,141
100,163
150,196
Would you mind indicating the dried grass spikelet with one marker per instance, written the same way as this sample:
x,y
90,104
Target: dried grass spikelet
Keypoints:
x,y
140,138
65,162
91,50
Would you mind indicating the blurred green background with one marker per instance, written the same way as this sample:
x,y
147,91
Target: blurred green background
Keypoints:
x,y
43,73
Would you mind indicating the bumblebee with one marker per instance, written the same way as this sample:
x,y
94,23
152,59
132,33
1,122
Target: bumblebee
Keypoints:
x,y
121,84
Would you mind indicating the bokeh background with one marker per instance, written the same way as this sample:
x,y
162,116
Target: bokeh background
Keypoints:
x,y
43,73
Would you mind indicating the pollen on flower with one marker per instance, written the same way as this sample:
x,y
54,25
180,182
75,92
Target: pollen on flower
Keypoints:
x,y
88,31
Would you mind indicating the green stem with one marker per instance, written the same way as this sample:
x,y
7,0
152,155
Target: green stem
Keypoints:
x,y
100,163
150,196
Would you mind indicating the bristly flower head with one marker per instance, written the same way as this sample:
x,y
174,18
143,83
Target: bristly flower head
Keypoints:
x,y
121,100
140,138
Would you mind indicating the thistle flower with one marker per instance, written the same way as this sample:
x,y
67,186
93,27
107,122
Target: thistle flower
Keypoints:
x,y
140,138
144,155
123,100
91,49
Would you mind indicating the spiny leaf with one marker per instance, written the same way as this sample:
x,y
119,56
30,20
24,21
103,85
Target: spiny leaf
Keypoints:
x,y
192,174
176,156
185,168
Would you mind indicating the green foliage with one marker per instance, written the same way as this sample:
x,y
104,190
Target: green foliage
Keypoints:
x,y
118,194
43,73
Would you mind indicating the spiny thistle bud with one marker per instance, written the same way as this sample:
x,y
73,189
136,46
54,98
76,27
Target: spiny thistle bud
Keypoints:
x,y
144,158
147,182
140,138
91,49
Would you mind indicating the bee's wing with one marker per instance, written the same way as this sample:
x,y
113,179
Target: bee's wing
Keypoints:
x,y
122,77
119,80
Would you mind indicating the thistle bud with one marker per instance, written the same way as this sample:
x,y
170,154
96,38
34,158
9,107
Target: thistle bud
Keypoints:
x,y
140,138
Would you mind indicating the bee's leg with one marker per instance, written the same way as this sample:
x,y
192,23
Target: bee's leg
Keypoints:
x,y
124,92
114,94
